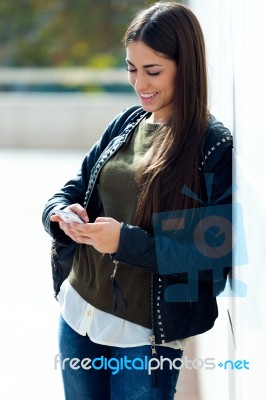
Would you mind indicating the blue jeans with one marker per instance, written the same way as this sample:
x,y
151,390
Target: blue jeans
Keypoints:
x,y
117,374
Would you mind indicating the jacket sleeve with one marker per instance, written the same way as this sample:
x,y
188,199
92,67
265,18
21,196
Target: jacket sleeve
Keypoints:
x,y
138,248
74,190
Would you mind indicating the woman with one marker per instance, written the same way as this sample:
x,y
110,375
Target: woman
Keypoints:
x,y
118,330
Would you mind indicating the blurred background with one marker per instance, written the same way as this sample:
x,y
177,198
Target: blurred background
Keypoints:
x,y
62,79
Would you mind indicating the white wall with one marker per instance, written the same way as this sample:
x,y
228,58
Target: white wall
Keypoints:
x,y
75,121
235,33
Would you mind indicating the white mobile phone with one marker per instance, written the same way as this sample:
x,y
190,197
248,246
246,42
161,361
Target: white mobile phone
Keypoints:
x,y
69,216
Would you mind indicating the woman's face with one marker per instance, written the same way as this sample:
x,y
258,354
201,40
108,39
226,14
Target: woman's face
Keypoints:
x,y
153,78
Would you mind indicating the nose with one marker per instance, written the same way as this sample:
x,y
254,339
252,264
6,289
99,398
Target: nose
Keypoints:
x,y
141,82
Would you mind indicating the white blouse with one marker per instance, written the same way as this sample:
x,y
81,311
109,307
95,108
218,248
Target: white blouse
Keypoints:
x,y
101,327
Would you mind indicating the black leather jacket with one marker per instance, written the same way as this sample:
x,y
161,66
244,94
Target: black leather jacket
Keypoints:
x,y
137,248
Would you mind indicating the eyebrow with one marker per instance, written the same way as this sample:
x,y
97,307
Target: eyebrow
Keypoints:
x,y
144,66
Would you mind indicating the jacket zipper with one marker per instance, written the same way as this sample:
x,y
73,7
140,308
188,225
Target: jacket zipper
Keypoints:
x,y
53,249
155,373
153,349
158,314
152,337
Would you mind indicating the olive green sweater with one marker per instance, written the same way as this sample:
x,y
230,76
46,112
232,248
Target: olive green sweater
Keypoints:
x,y
91,272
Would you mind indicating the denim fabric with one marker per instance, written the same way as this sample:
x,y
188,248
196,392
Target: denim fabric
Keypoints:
x,y
110,383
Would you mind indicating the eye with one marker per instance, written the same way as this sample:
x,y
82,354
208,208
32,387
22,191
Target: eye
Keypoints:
x,y
153,73
131,69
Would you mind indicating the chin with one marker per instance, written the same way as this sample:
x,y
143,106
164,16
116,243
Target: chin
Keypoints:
x,y
148,108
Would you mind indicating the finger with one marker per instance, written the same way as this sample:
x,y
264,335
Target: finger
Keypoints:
x,y
102,219
69,232
79,210
72,229
87,229
55,218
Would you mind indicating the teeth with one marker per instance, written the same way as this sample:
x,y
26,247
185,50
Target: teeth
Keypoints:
x,y
147,96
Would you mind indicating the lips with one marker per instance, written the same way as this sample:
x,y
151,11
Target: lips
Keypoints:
x,y
147,97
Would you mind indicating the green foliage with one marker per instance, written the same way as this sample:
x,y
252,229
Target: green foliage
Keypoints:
x,y
63,32
56,33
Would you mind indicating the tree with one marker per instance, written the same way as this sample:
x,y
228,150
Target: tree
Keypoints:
x,y
56,33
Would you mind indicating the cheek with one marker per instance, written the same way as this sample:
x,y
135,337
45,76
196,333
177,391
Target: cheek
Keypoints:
x,y
131,79
171,87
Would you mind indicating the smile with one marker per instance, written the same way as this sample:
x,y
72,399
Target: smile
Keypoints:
x,y
147,95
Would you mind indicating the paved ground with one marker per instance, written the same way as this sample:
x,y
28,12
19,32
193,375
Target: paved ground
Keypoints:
x,y
28,311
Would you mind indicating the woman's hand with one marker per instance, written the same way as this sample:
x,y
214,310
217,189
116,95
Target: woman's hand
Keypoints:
x,y
75,208
103,234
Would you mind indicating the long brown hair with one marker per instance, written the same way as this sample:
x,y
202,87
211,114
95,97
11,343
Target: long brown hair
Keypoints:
x,y
172,30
